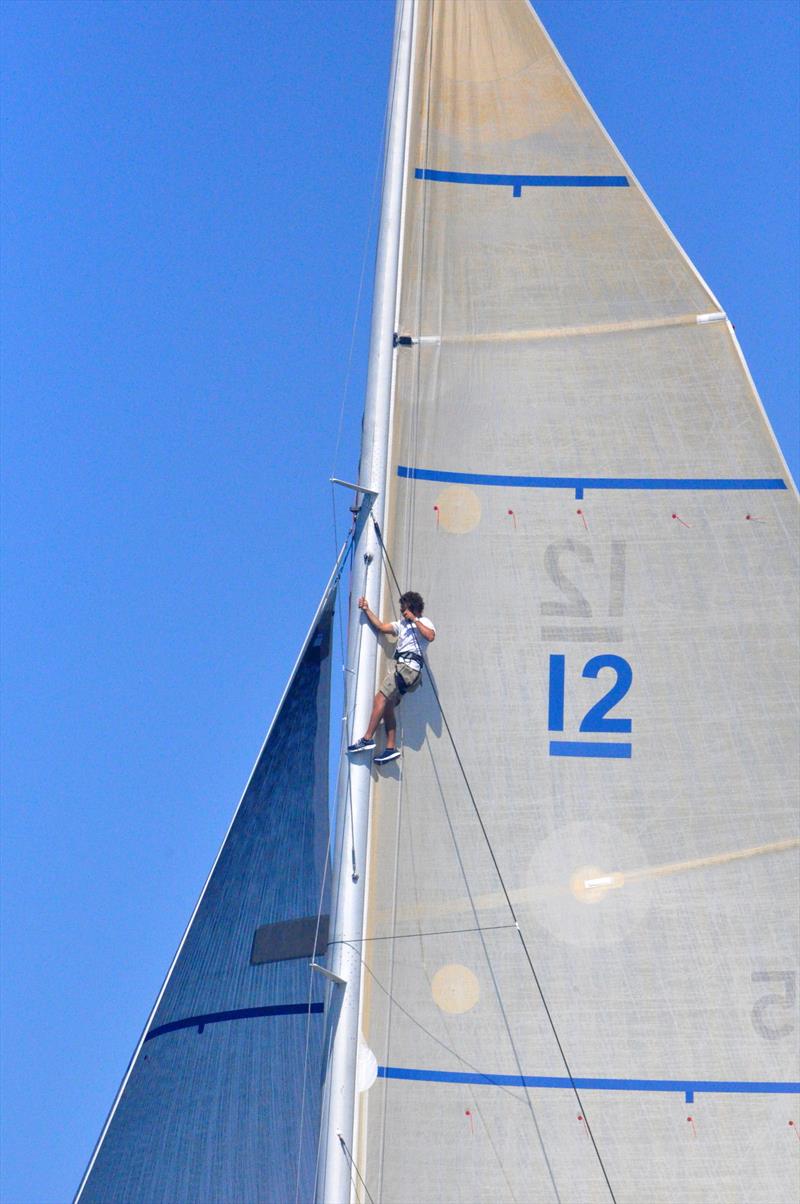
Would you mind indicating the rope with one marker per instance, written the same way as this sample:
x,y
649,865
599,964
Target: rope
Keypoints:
x,y
418,1024
464,1061
353,1167
480,931
408,936
506,894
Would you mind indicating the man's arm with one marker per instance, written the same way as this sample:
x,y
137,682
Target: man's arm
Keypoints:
x,y
384,628
422,628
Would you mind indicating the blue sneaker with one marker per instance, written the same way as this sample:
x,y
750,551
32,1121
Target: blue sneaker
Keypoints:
x,y
362,745
389,754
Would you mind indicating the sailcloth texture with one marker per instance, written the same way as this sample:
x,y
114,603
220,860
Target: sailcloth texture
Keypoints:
x,y
580,946
222,1099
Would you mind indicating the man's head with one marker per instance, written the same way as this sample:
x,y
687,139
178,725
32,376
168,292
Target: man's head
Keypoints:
x,y
412,602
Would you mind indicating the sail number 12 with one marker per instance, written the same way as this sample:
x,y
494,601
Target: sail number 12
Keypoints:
x,y
597,719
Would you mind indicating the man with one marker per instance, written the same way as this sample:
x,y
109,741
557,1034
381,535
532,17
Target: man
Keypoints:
x,y
413,631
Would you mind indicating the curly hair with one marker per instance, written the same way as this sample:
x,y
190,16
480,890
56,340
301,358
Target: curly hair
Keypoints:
x,y
412,602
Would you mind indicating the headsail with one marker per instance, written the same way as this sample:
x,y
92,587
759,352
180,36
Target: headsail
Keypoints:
x,y
222,1098
580,943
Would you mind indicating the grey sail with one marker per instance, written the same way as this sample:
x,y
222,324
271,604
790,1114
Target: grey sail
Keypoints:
x,y
222,1098
580,940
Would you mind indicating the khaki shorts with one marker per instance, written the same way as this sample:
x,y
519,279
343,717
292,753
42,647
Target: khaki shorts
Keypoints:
x,y
411,676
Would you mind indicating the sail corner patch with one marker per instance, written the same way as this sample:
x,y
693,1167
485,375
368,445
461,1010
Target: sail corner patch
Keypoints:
x,y
289,939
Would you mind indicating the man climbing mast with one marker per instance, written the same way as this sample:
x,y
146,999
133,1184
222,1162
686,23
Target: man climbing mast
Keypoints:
x,y
406,675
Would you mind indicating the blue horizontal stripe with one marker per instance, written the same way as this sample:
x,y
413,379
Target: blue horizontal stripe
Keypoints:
x,y
686,1086
585,748
674,483
517,183
199,1022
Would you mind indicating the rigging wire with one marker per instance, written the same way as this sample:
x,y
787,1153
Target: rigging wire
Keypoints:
x,y
497,992
408,936
490,969
491,1082
353,1167
506,894
448,1049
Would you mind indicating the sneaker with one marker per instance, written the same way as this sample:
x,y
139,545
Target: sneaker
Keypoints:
x,y
362,745
389,754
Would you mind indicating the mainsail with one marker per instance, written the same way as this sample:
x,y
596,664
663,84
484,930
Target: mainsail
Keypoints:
x,y
580,936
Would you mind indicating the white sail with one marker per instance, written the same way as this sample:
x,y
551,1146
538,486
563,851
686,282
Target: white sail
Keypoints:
x,y
580,939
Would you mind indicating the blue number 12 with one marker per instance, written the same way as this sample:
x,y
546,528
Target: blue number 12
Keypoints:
x,y
595,719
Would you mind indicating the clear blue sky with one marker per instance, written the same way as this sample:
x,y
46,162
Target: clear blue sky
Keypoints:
x,y
186,200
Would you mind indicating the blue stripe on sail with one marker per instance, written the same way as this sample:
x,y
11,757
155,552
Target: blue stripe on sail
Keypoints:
x,y
686,1086
199,1022
586,748
581,483
516,183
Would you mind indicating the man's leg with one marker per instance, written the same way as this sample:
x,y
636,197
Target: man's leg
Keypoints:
x,y
378,707
390,723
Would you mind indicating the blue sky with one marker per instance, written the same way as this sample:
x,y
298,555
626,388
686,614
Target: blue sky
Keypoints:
x,y
186,202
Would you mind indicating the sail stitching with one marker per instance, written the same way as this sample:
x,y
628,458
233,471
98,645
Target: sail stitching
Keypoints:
x,y
504,888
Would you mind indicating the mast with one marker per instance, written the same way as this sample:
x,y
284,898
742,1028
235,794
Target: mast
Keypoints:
x,y
354,785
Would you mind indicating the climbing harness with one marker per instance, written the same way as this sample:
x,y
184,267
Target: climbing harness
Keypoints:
x,y
407,658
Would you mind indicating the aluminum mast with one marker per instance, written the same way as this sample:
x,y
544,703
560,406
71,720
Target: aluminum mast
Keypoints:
x,y
335,1177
